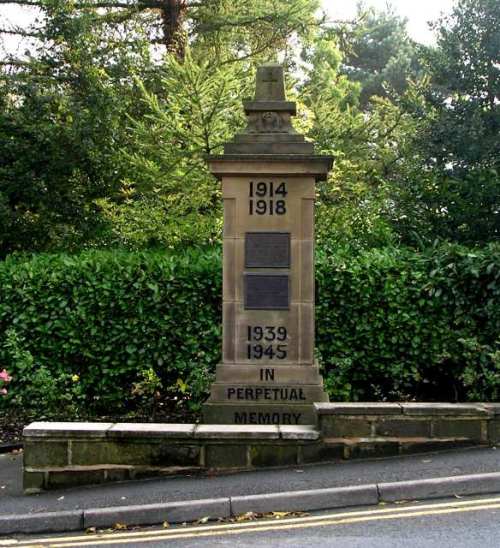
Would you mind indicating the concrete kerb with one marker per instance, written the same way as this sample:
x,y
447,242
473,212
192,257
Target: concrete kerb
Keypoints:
x,y
150,514
316,499
440,487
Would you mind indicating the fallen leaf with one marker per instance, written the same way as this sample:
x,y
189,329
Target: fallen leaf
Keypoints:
x,y
90,530
166,525
119,526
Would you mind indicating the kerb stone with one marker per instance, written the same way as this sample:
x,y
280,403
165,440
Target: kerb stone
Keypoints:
x,y
315,499
151,514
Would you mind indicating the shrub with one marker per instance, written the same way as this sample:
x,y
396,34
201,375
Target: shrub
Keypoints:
x,y
399,324
105,331
104,318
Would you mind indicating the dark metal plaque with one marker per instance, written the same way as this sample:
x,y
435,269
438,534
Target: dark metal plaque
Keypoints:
x,y
266,292
267,250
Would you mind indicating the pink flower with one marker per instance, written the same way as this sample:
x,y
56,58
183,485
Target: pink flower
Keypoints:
x,y
3,391
4,376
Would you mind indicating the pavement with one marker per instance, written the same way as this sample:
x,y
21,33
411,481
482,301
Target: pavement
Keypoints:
x,y
187,498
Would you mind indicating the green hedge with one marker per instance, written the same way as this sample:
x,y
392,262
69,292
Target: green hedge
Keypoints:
x,y
397,324
109,332
99,323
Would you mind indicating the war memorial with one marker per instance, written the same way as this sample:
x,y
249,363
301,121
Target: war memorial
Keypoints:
x,y
267,406
268,374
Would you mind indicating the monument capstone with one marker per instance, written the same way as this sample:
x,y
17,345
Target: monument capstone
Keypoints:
x,y
268,373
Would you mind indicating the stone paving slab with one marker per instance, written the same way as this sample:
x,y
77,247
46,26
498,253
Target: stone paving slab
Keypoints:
x,y
150,430
298,432
358,408
444,409
67,429
231,431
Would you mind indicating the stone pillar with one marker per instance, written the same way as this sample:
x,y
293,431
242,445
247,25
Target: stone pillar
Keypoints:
x,y
268,374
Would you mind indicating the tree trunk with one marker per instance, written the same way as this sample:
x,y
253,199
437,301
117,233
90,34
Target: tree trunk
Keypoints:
x,y
173,12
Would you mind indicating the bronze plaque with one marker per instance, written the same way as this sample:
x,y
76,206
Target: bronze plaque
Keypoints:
x,y
267,292
267,250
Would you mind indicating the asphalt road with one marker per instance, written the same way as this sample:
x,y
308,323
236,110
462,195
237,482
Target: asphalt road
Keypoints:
x,y
470,522
296,478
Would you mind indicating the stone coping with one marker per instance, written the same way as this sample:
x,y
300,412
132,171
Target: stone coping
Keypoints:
x,y
169,430
412,409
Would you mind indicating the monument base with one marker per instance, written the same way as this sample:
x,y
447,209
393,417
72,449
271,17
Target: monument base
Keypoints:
x,y
246,394
258,413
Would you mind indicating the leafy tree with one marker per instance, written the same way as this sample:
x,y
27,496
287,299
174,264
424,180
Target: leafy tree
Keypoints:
x,y
378,53
63,115
367,146
450,185
168,197
249,27
91,87
465,90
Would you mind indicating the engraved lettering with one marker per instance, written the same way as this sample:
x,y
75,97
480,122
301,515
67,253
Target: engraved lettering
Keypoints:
x,y
240,418
266,374
266,418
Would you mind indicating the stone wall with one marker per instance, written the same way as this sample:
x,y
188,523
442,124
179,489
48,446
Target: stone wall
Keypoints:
x,y
65,454
375,429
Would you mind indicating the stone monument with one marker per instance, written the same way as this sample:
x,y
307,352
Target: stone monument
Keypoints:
x,y
268,373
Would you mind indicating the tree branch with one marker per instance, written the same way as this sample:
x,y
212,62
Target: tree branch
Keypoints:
x,y
20,32
14,63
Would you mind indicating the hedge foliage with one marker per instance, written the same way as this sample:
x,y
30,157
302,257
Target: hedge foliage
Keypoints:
x,y
108,332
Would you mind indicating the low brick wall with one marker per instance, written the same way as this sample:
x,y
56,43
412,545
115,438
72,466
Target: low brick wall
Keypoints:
x,y
371,429
64,454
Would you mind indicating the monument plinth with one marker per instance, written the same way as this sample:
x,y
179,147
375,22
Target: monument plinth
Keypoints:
x,y
268,374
